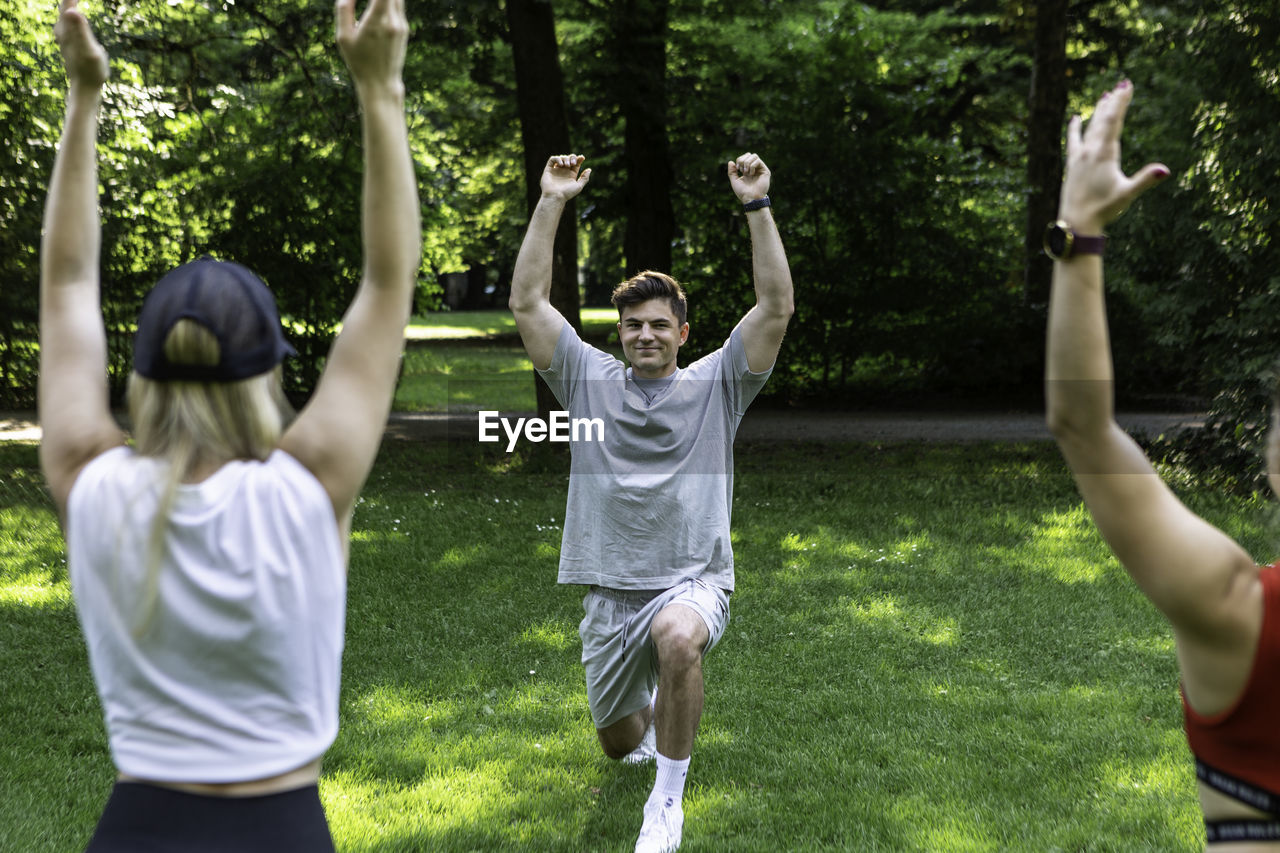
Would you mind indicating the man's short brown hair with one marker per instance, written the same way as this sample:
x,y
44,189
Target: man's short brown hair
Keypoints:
x,y
651,285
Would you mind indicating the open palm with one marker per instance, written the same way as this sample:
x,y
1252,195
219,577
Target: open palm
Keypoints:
x,y
1095,190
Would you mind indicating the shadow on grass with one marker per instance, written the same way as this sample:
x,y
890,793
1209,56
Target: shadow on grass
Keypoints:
x,y
55,772
959,641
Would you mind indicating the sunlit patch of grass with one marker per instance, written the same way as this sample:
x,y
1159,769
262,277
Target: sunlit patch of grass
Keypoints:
x,y
506,768
454,378
33,567
364,811
553,636
956,645
884,612
447,325
54,768
36,594
963,829
458,557
467,361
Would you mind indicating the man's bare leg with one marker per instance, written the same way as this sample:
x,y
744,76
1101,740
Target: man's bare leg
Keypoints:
x,y
680,636
620,738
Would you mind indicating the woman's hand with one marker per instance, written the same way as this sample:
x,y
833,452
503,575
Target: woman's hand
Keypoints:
x,y
374,46
84,59
1095,190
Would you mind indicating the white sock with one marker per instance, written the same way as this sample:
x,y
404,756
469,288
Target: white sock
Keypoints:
x,y
668,788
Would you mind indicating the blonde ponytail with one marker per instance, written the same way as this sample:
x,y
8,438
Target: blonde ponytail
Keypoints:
x,y
189,424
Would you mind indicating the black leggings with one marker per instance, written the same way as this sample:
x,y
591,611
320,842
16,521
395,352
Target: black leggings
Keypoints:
x,y
141,818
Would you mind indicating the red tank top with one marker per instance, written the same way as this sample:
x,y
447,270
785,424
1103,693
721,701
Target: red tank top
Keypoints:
x,y
1244,740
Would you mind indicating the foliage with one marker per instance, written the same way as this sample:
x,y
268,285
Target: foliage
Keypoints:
x,y
1202,255
29,110
895,193
228,129
894,131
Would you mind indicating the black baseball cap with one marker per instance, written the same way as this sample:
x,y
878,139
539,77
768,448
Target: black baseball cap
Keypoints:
x,y
228,300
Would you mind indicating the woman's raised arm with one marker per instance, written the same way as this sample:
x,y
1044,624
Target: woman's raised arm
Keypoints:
x,y
75,414
337,435
1204,583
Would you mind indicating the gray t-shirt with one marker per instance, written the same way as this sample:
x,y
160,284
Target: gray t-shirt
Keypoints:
x,y
649,505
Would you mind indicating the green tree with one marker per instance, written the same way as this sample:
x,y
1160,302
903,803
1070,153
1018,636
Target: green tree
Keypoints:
x,y
544,127
1202,254
1047,114
893,139
31,87
897,133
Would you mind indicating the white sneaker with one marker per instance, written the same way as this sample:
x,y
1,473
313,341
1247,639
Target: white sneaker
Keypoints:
x,y
647,750
663,825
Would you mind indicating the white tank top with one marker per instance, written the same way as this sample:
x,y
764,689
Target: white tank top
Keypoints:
x,y
236,676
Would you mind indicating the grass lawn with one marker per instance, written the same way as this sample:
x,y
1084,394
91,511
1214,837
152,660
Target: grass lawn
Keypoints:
x,y
930,649
452,325
463,361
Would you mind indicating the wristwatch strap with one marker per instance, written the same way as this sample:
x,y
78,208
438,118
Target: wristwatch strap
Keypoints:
x,y
1088,245
1062,242
757,204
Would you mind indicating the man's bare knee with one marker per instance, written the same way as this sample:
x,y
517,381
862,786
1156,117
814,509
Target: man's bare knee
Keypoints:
x,y
680,636
612,750
620,738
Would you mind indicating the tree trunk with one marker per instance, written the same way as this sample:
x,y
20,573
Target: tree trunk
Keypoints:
x,y
544,130
640,31
1047,107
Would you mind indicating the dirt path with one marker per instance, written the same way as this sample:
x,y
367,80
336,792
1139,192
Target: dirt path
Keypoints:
x,y
772,425
775,425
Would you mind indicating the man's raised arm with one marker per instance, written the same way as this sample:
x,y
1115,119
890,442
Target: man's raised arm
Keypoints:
x,y
538,322
764,325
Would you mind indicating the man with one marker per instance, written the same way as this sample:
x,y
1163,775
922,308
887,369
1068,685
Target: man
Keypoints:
x,y
647,519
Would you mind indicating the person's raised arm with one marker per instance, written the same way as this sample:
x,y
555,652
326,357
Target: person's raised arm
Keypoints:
x,y
1191,571
337,435
764,325
538,322
75,415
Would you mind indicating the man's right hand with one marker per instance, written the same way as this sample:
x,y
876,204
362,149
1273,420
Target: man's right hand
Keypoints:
x,y
562,178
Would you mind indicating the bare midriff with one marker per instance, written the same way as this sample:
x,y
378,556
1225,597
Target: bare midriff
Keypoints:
x,y
308,774
1218,806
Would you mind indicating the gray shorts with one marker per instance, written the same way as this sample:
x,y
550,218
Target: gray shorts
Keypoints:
x,y
617,649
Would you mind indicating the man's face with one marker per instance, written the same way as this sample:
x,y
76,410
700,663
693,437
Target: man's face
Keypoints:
x,y
651,338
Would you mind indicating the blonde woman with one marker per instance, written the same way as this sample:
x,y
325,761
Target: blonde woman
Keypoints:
x,y
1224,609
208,562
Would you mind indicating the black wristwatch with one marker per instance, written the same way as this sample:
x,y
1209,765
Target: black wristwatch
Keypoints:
x,y
1061,243
756,204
